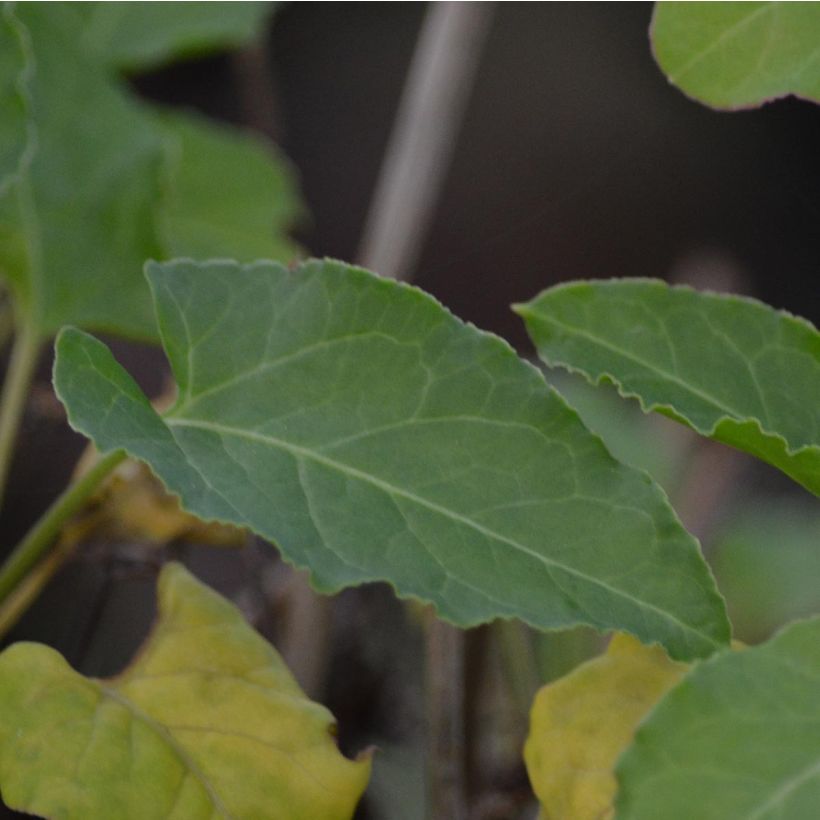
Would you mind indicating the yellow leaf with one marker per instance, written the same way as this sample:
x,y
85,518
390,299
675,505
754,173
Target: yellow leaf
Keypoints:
x,y
206,723
580,724
133,505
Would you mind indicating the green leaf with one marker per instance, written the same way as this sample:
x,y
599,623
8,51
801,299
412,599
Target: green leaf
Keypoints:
x,y
738,55
78,225
731,368
206,722
141,36
229,194
16,136
738,738
580,724
371,435
112,184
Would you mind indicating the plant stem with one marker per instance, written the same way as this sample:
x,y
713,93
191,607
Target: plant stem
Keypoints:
x,y
22,364
446,790
41,537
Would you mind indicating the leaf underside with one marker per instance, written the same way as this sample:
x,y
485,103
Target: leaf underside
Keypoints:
x,y
372,435
738,55
206,723
738,738
731,368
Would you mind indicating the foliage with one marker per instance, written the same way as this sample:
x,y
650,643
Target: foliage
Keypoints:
x,y
102,182
206,722
738,55
581,723
672,348
738,737
370,434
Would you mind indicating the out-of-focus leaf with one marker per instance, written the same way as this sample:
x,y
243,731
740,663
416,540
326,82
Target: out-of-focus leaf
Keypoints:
x,y
767,564
738,55
731,368
16,136
738,738
78,225
133,505
207,722
138,36
107,184
229,194
372,435
580,724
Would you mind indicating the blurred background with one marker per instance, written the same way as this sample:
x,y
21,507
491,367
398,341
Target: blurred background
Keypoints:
x,y
574,159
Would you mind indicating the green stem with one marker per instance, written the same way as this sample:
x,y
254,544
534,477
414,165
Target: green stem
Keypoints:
x,y
22,364
41,537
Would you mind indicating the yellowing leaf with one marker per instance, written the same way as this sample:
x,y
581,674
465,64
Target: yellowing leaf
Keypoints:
x,y
133,504
206,723
580,724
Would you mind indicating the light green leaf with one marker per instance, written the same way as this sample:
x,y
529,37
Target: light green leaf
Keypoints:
x,y
139,36
207,722
16,136
731,368
737,739
738,55
229,194
372,435
78,225
580,725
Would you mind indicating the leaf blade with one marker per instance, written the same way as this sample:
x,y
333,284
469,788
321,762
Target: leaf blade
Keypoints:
x,y
142,36
737,738
371,435
207,721
734,56
733,369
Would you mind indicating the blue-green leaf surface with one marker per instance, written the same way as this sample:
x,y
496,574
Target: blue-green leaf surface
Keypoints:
x,y
139,36
731,368
372,435
737,739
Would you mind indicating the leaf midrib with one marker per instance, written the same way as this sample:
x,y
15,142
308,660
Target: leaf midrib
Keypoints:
x,y
708,398
171,741
391,489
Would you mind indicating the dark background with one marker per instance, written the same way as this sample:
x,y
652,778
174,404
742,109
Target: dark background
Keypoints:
x,y
576,159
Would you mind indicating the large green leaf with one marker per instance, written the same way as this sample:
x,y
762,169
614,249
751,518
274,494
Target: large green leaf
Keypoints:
x,y
78,225
731,368
738,738
372,435
229,194
737,55
139,36
207,722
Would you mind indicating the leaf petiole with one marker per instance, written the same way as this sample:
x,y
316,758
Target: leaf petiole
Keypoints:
x,y
41,537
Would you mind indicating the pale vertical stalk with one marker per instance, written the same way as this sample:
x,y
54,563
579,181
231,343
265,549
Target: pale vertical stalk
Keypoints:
x,y
446,758
424,134
25,352
413,171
